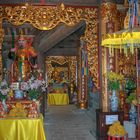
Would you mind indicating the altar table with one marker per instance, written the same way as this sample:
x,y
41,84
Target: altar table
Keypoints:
x,y
58,99
22,129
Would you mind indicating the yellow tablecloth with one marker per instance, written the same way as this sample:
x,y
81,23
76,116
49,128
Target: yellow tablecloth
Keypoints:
x,y
58,99
22,129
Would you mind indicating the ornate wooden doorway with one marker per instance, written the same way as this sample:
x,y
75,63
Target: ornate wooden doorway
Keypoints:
x,y
47,18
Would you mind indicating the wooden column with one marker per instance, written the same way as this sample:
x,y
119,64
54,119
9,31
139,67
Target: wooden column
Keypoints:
x,y
42,66
41,62
82,76
138,92
108,25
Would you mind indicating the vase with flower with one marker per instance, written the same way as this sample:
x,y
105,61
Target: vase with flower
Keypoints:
x,y
114,80
132,100
35,87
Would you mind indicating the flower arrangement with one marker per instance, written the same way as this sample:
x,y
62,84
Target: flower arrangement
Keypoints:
x,y
34,87
130,85
114,80
4,90
132,99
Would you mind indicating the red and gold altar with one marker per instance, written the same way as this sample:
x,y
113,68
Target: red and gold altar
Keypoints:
x,y
20,95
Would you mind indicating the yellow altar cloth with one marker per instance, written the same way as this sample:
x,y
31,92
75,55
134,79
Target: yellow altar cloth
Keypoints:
x,y
22,129
58,99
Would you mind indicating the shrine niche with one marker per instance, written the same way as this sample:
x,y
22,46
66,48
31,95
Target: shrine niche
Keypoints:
x,y
61,71
47,18
57,68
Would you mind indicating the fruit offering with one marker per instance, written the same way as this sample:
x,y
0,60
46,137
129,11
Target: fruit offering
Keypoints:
x,y
116,129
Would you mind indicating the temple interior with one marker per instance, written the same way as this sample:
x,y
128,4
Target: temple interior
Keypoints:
x,y
70,63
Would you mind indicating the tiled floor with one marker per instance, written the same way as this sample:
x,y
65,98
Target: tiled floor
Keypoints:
x,y
68,123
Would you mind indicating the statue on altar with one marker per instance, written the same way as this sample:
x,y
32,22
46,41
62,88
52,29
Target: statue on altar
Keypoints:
x,y
22,66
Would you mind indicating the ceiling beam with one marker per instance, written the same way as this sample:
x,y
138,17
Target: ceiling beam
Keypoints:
x,y
60,34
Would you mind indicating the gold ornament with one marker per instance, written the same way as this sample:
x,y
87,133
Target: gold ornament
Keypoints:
x,y
109,11
126,64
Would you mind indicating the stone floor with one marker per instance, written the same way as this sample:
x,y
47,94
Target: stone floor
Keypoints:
x,y
68,123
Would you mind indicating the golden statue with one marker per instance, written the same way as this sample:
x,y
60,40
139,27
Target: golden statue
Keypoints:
x,y
22,66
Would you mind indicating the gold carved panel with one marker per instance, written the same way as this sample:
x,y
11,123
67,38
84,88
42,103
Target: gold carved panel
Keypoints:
x,y
127,64
69,70
108,11
48,17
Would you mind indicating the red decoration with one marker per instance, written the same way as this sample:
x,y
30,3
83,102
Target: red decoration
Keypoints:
x,y
117,138
33,113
